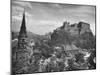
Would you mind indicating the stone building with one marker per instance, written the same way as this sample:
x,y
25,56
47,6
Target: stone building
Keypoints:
x,y
22,38
23,51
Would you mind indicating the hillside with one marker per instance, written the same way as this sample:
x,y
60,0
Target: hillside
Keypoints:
x,y
78,34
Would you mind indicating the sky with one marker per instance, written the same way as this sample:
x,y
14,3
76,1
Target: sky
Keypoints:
x,y
42,18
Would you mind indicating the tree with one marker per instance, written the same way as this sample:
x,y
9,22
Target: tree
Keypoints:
x,y
86,41
79,58
60,37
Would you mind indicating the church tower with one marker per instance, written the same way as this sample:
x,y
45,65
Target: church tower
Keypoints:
x,y
22,53
22,38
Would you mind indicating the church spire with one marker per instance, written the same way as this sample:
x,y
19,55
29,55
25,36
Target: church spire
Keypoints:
x,y
22,53
23,26
22,38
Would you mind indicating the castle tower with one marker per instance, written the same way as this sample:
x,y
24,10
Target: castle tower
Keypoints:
x,y
65,25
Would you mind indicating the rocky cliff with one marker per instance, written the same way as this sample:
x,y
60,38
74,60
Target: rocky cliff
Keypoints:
x,y
78,34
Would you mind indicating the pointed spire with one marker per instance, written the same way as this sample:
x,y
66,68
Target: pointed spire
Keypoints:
x,y
23,33
23,26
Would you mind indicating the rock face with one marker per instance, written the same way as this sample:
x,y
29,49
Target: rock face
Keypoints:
x,y
78,34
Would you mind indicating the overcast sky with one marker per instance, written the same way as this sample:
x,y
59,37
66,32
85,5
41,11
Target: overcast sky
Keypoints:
x,y
42,18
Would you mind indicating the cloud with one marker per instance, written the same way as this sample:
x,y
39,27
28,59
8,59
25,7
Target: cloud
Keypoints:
x,y
16,10
50,15
24,4
19,18
17,13
57,6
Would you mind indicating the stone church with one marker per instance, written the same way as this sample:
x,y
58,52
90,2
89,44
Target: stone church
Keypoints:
x,y
23,51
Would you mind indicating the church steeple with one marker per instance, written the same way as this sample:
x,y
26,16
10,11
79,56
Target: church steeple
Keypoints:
x,y
23,26
22,52
22,38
